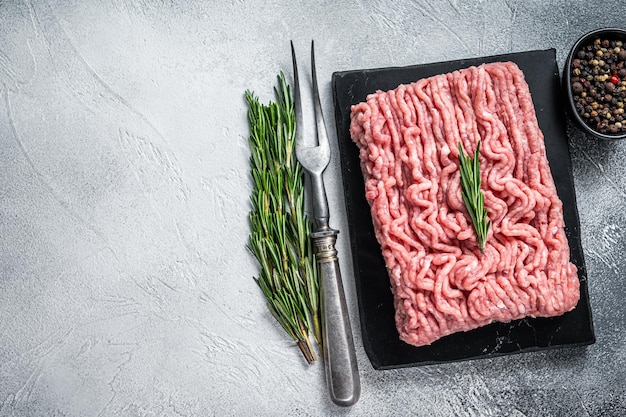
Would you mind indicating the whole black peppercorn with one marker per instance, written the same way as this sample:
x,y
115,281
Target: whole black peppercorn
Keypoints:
x,y
577,88
622,54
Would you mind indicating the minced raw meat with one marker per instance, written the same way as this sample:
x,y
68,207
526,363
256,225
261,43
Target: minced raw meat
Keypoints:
x,y
408,140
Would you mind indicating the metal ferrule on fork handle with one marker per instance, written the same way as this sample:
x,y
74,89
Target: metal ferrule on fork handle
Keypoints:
x,y
324,242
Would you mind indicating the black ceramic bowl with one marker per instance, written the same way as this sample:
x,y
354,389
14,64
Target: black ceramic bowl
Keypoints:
x,y
611,34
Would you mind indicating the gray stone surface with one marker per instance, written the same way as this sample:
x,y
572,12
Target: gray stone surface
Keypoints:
x,y
125,285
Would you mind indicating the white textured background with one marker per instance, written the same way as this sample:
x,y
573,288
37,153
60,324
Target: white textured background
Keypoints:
x,y
125,285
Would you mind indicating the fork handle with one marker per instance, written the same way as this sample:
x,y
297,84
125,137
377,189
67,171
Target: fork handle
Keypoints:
x,y
342,374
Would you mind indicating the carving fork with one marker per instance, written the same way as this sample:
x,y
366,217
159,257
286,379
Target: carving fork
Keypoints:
x,y
342,374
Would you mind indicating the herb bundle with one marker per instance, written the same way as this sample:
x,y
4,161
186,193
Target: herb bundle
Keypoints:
x,y
279,228
473,198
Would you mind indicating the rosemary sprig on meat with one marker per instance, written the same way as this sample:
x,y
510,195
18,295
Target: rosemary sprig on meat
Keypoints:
x,y
473,198
279,228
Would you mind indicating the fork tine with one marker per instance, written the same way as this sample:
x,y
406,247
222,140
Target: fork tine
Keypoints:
x,y
322,136
296,97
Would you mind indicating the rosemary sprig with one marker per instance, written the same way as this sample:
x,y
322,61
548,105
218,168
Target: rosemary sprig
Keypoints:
x,y
473,198
279,228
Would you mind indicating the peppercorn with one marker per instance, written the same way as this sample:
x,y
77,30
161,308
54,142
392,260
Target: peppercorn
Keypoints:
x,y
622,55
602,126
577,88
